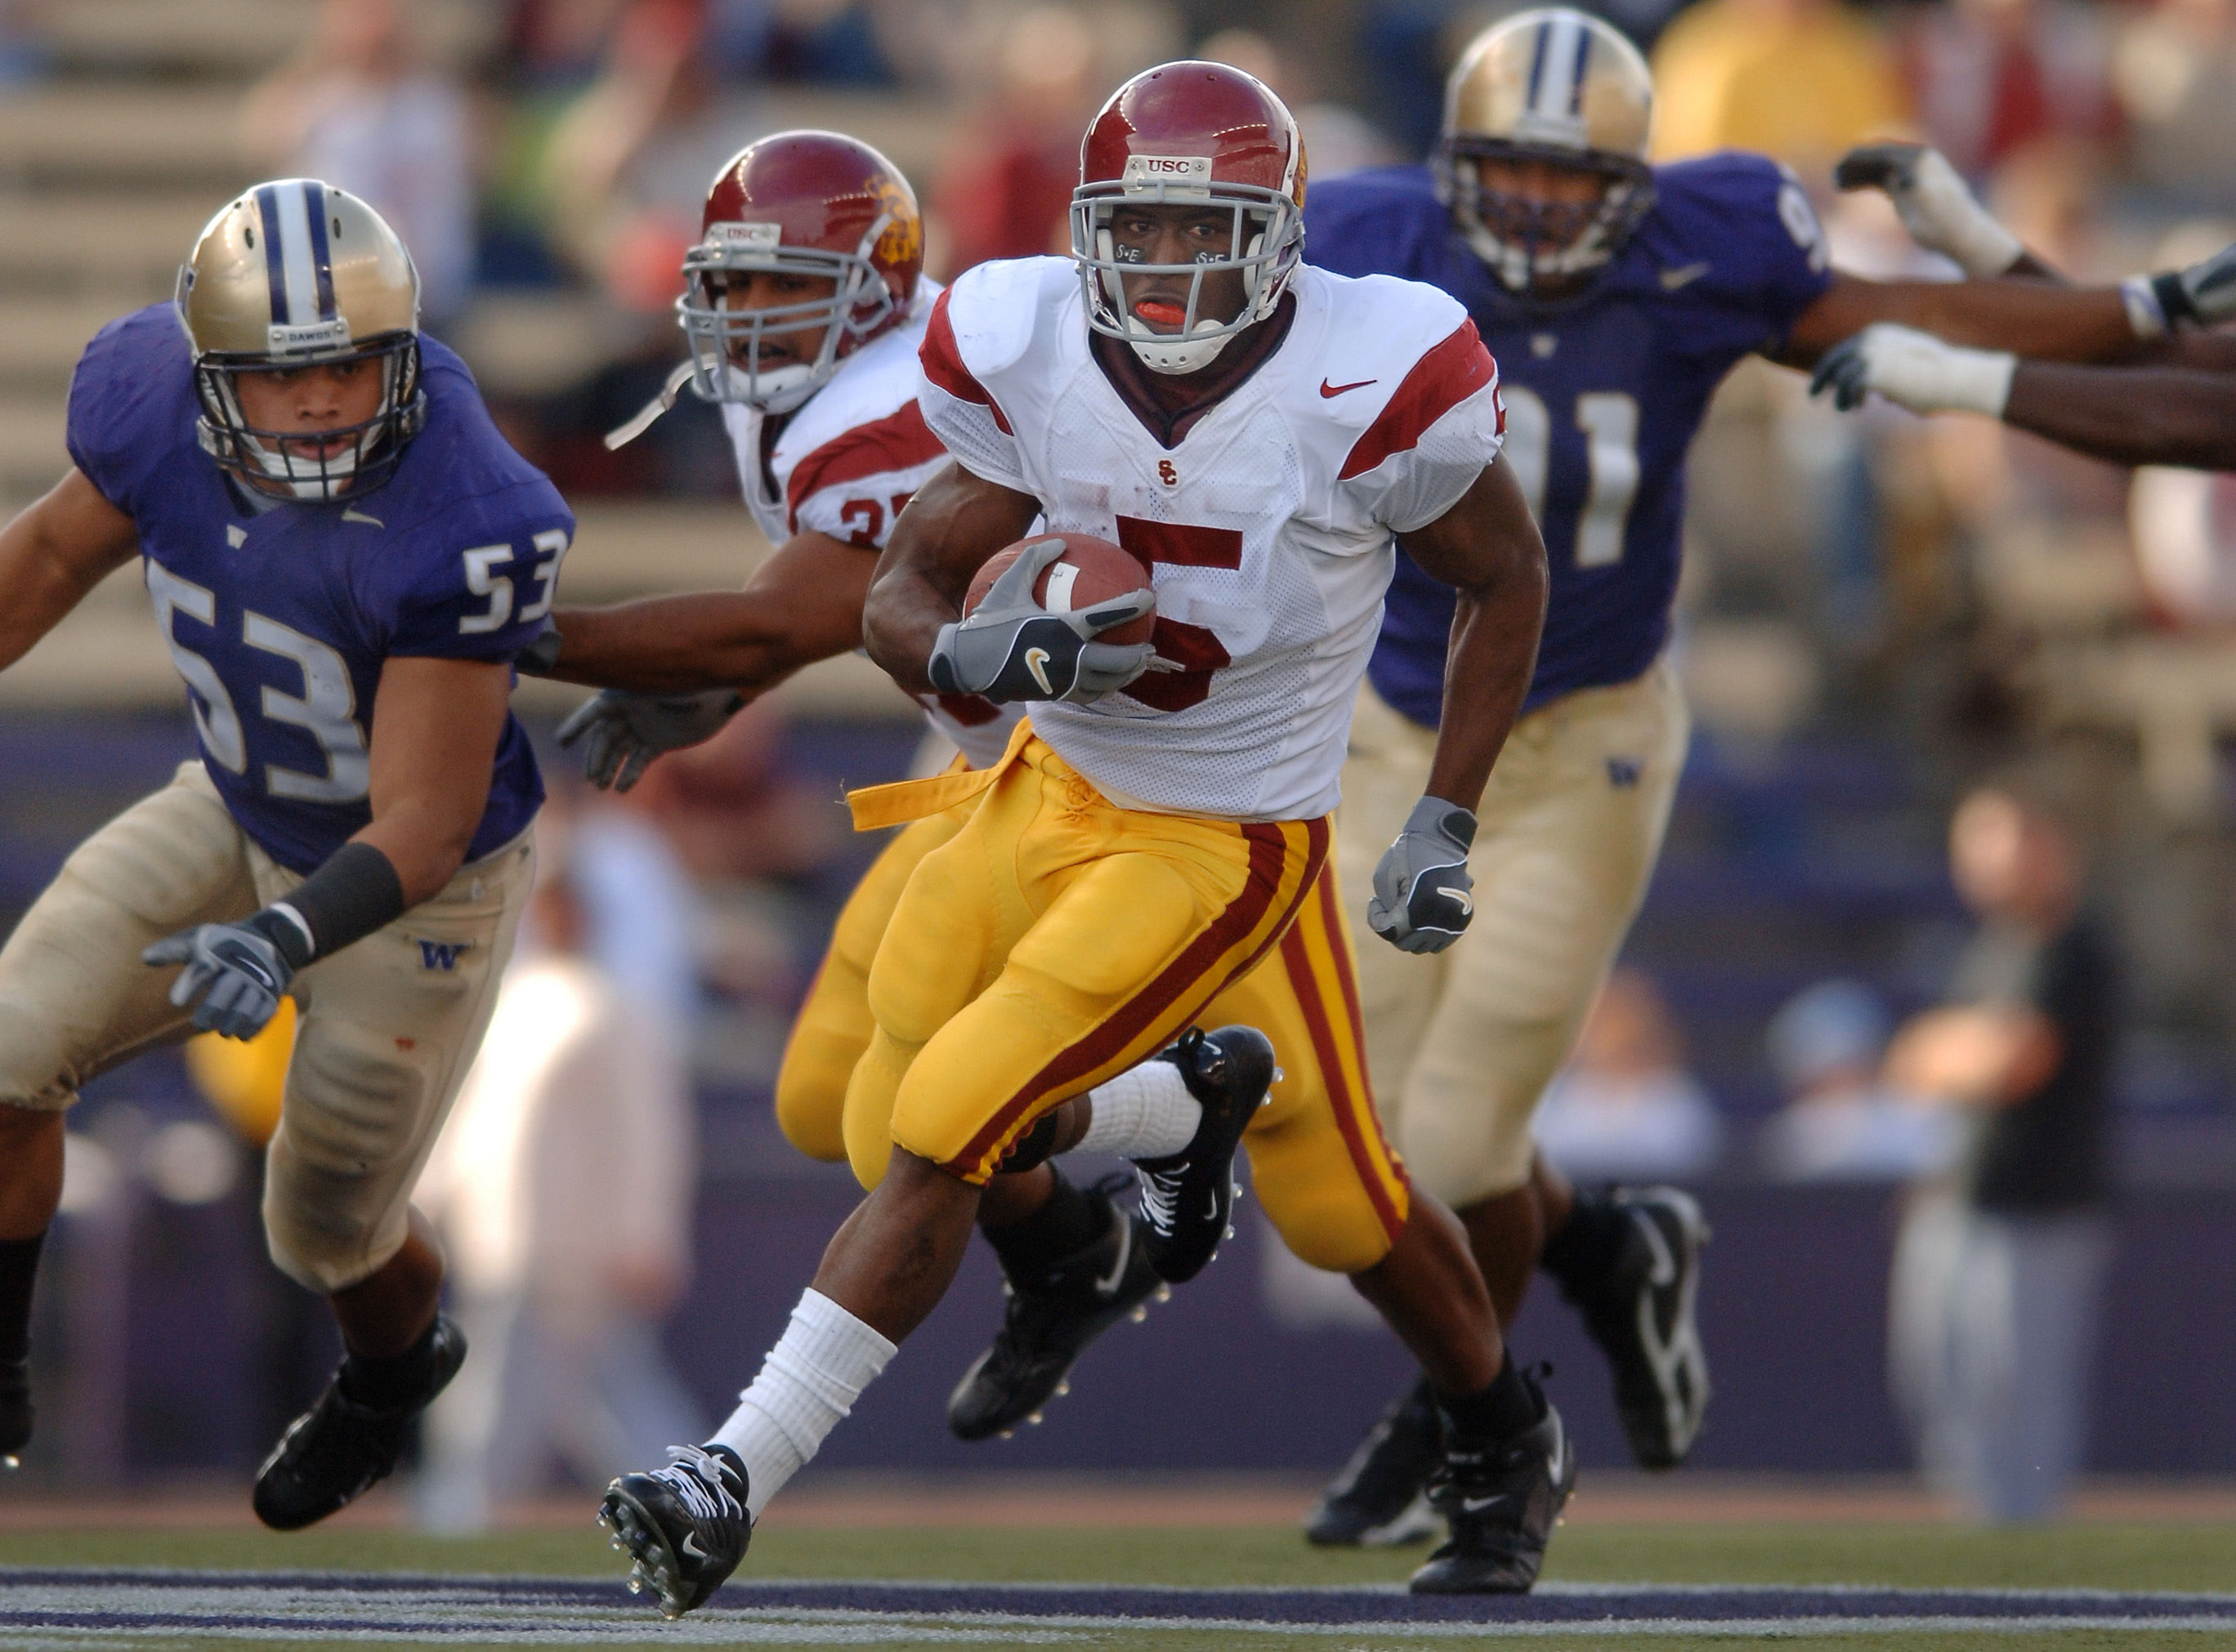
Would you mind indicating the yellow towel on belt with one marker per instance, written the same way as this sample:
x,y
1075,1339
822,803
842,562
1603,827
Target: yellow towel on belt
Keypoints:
x,y
876,807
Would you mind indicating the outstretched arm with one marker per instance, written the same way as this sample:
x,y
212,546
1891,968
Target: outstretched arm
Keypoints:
x,y
2028,318
2147,415
802,605
2129,416
56,550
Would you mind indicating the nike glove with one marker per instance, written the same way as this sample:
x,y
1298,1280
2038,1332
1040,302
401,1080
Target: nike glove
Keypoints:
x,y
1011,648
625,731
1421,902
1934,203
2201,295
1916,371
239,971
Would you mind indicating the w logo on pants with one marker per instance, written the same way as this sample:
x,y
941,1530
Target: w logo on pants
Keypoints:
x,y
441,954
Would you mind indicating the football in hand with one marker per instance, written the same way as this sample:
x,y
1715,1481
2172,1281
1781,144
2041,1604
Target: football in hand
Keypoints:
x,y
1091,570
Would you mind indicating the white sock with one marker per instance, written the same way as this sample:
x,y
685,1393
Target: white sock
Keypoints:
x,y
1144,1113
810,1380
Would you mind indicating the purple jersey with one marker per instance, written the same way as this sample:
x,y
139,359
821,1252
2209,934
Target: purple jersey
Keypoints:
x,y
1603,394
280,618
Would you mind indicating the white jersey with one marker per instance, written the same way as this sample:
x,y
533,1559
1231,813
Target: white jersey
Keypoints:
x,y
843,465
1266,526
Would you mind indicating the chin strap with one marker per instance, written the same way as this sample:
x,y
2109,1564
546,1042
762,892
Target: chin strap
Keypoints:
x,y
621,435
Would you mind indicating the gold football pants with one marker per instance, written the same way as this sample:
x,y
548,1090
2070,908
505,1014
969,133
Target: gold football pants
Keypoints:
x,y
1096,935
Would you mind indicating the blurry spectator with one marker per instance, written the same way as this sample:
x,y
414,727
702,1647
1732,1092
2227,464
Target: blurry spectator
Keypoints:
x,y
640,908
627,166
1624,1108
1800,80
1336,139
2174,68
1994,1295
563,1188
358,108
1006,192
558,41
1991,78
1839,1122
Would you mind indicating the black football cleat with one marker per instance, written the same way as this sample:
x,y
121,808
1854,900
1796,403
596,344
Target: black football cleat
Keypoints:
x,y
16,1413
339,1449
1047,1322
685,1527
1187,1198
1640,1313
1501,1499
1379,1500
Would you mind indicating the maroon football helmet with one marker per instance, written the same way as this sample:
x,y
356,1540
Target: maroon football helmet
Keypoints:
x,y
1190,134
808,203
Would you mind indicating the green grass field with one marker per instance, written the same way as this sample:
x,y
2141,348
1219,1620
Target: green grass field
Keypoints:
x,y
2173,1556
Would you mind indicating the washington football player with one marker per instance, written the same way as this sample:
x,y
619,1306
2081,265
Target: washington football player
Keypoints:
x,y
1155,837
1617,295
344,557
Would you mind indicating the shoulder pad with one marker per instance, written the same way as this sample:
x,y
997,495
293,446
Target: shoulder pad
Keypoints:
x,y
995,310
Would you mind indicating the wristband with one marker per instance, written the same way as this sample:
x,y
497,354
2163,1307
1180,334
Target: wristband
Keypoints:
x,y
2174,302
353,894
2146,309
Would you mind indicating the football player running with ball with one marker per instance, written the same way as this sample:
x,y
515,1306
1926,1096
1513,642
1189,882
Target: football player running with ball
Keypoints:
x,y
1616,296
345,557
804,305
1159,826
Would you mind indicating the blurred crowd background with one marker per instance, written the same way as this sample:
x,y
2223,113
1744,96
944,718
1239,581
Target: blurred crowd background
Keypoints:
x,y
1878,612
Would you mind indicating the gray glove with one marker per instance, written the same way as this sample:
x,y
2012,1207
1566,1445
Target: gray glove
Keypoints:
x,y
626,731
2203,295
1013,649
1421,902
243,968
1934,205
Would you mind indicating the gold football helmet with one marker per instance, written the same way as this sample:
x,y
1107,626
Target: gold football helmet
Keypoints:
x,y
1555,87
297,273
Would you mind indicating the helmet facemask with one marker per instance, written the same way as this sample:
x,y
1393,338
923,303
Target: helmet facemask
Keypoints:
x,y
272,462
1265,242
727,344
1531,244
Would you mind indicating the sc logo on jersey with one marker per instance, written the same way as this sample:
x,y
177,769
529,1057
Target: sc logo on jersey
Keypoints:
x,y
442,955
1166,475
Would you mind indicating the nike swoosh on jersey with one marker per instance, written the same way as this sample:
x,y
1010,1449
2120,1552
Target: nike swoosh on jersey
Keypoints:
x,y
1327,388
1477,1505
352,516
1684,275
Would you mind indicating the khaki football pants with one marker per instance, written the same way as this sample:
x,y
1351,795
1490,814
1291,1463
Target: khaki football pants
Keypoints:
x,y
388,1027
1462,1043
